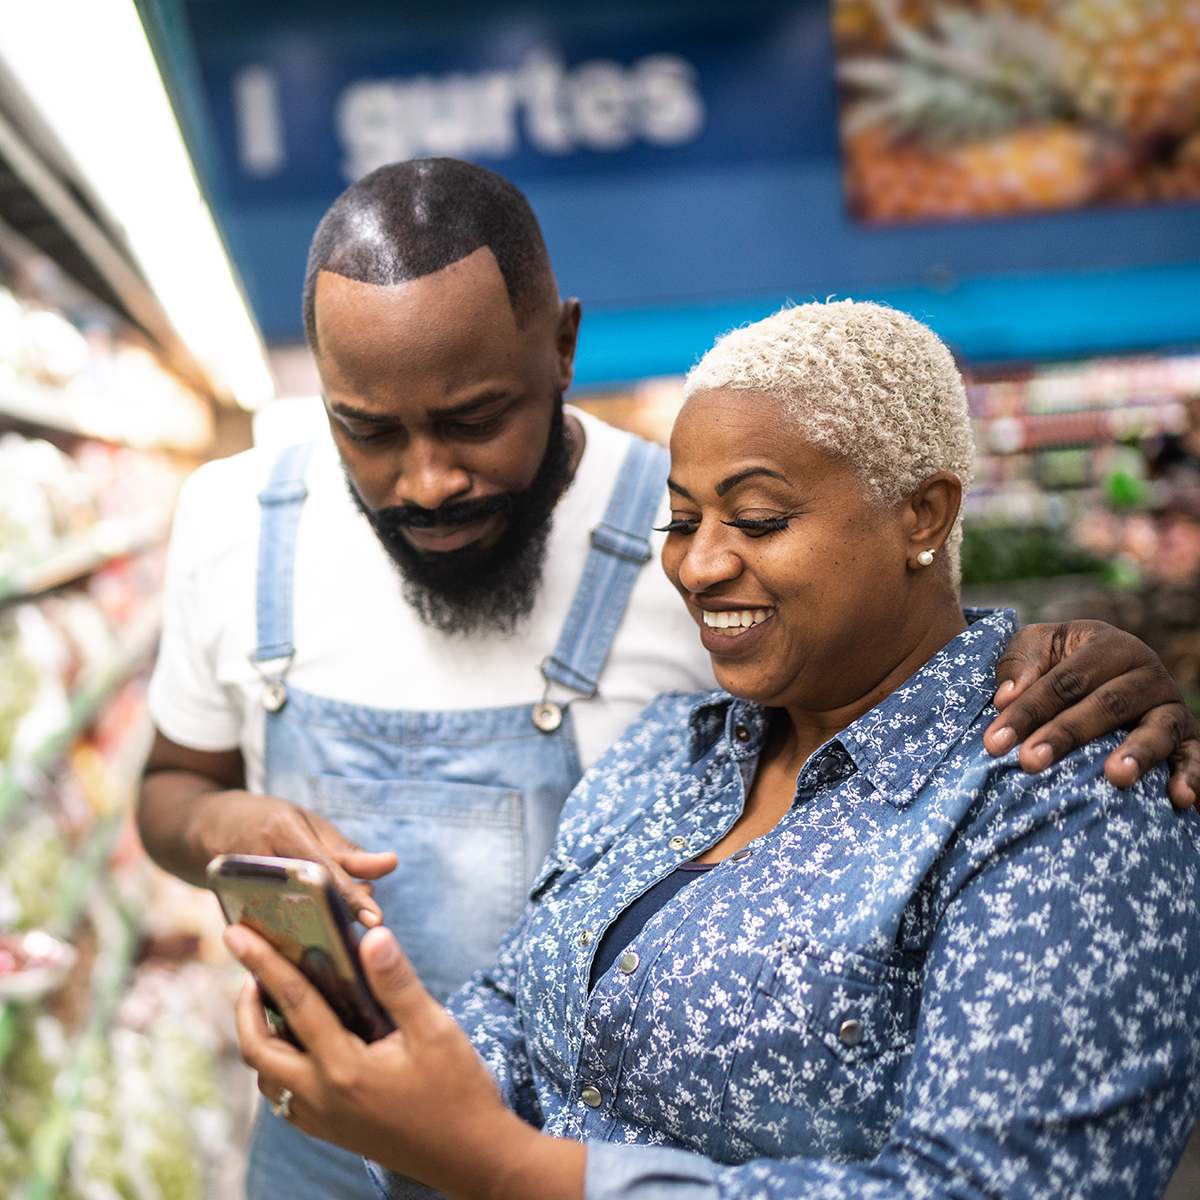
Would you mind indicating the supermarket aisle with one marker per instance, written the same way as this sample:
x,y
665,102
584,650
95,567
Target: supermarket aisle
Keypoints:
x,y
119,1074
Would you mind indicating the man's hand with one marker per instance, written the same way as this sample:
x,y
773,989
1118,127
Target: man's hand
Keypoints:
x,y
193,807
418,1101
1063,685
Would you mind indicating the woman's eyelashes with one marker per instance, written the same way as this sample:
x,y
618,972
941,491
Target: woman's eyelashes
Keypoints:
x,y
753,526
760,525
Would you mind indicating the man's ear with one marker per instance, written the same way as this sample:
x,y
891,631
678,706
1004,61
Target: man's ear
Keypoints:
x,y
933,509
566,338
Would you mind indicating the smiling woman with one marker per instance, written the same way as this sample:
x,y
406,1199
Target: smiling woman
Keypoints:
x,y
803,936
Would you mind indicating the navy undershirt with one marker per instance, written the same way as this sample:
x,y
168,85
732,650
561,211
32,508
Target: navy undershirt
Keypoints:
x,y
633,920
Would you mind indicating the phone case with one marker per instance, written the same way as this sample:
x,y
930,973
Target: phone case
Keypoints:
x,y
293,903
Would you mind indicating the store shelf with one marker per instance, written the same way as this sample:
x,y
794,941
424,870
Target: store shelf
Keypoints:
x,y
40,404
140,641
52,1141
103,543
1037,431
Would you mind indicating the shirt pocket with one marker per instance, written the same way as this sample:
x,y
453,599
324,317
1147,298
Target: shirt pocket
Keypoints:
x,y
818,1066
460,882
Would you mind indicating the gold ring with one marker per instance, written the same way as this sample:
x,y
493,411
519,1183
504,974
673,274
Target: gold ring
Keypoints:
x,y
283,1106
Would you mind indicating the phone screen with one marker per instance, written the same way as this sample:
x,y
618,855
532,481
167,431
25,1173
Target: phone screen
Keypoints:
x,y
294,905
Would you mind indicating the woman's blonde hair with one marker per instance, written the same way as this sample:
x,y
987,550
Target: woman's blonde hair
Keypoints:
x,y
867,384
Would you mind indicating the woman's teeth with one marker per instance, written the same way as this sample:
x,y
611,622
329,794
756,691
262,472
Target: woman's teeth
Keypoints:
x,y
730,623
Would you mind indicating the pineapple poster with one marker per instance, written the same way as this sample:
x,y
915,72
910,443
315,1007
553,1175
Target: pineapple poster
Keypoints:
x,y
964,108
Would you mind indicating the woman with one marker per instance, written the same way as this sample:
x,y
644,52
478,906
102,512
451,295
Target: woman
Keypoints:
x,y
803,937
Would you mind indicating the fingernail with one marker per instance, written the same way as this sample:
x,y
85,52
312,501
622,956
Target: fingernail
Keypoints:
x,y
367,917
1042,756
1005,689
235,941
1004,740
1131,762
384,950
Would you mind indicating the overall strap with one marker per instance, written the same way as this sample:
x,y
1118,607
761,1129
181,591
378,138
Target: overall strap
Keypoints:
x,y
620,548
281,501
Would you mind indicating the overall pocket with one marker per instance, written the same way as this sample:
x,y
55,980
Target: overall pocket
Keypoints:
x,y
819,1065
460,882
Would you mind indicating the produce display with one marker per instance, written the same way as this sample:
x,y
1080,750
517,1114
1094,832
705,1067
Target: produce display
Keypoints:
x,y
119,1074
954,108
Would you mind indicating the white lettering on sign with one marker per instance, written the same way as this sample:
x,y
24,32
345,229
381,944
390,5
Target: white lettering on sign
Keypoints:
x,y
259,125
598,105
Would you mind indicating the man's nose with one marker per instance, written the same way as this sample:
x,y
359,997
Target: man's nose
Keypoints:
x,y
429,475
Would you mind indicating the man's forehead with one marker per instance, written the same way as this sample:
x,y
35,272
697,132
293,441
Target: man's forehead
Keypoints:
x,y
471,286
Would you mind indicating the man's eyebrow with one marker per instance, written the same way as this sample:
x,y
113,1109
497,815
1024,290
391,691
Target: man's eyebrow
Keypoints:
x,y
453,410
749,473
358,414
468,406
672,486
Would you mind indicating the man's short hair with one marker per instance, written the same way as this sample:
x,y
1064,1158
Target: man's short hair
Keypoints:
x,y
410,219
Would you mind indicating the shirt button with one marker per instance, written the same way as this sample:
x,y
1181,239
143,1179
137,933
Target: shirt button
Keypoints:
x,y
741,733
740,856
585,938
851,1033
677,842
831,764
629,963
591,1097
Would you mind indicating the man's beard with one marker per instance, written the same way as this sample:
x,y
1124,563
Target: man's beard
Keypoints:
x,y
473,589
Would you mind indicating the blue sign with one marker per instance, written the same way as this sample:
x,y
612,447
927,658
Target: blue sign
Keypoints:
x,y
683,159
533,101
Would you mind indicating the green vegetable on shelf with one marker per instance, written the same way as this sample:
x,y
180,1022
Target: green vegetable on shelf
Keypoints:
x,y
18,683
32,860
1125,490
1001,555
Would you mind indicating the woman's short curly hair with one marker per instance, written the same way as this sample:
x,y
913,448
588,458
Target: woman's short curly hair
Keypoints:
x,y
866,382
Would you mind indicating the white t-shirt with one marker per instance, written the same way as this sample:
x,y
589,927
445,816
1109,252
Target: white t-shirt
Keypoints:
x,y
356,638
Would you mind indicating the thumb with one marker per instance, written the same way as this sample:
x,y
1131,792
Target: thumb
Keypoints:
x,y
361,863
396,985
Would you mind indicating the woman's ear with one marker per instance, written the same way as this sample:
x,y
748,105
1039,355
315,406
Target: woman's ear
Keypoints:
x,y
933,509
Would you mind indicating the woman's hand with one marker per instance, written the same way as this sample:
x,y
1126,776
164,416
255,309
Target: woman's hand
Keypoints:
x,y
1062,685
418,1101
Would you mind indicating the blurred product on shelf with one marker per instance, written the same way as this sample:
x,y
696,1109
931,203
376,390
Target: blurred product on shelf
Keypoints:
x,y
91,384
957,108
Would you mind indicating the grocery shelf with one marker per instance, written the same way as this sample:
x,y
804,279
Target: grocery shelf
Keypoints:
x,y
34,403
52,1140
1038,431
103,543
139,642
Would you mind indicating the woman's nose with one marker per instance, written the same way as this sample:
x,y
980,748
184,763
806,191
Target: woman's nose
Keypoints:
x,y
709,559
429,476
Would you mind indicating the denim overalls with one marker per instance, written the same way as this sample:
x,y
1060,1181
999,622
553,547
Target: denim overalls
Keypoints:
x,y
468,800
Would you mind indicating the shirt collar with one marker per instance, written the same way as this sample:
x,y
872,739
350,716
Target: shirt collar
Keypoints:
x,y
899,743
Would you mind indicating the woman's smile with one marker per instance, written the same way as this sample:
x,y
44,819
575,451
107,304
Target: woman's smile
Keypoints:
x,y
729,632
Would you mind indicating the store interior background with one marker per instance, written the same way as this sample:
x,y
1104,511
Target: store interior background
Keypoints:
x,y
695,164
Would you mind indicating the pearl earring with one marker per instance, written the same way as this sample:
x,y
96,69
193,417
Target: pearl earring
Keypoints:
x,y
925,557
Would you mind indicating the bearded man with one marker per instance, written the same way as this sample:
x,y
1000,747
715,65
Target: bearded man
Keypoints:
x,y
394,650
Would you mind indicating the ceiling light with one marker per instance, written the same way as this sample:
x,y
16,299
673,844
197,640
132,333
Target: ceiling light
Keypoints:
x,y
88,68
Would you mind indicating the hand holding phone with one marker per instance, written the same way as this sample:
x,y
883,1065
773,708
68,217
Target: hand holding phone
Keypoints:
x,y
294,904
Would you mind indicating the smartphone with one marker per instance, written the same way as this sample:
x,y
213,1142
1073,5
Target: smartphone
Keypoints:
x,y
293,904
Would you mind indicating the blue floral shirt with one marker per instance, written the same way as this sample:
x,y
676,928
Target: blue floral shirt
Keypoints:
x,y
937,976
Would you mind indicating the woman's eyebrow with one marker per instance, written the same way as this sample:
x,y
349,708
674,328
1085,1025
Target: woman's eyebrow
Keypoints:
x,y
733,480
672,486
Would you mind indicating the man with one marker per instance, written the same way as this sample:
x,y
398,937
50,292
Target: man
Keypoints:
x,y
423,731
